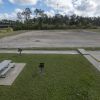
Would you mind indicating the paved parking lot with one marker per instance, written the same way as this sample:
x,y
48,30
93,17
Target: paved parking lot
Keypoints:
x,y
52,38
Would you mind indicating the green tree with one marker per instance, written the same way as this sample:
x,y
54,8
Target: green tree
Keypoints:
x,y
27,14
40,15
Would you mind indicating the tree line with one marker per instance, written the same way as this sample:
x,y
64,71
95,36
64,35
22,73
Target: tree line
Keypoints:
x,y
42,21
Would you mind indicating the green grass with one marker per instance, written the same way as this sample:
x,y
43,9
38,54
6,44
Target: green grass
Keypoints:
x,y
55,48
61,48
67,77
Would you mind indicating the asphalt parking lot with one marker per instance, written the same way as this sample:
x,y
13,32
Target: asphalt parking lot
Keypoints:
x,y
52,38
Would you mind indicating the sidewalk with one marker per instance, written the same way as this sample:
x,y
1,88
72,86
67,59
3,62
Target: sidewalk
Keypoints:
x,y
41,51
92,56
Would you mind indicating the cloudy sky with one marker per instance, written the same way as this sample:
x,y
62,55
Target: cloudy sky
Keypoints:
x,y
9,8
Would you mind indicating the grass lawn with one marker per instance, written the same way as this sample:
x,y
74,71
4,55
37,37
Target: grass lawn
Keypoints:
x,y
55,48
67,77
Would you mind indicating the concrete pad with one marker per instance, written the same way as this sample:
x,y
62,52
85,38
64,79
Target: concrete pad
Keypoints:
x,y
12,74
41,51
95,55
95,63
82,51
52,38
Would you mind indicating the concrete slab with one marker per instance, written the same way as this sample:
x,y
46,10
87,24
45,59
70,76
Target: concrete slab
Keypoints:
x,y
12,74
41,51
95,63
52,38
95,55
83,51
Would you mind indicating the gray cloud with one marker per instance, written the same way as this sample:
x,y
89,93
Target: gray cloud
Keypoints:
x,y
69,7
80,5
83,5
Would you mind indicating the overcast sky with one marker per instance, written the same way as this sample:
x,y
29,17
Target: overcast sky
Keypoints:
x,y
9,8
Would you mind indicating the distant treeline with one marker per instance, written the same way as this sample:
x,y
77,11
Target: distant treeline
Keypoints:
x,y
42,21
